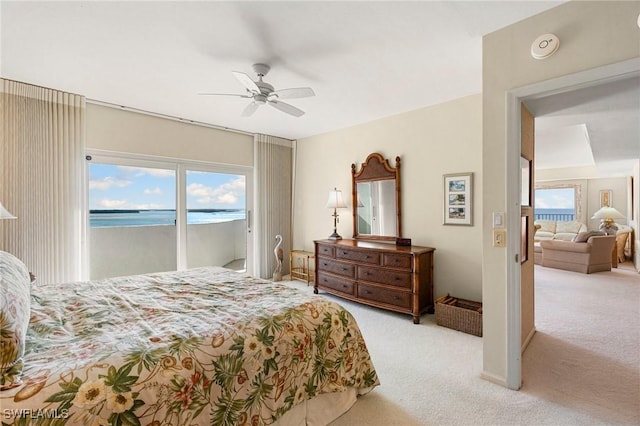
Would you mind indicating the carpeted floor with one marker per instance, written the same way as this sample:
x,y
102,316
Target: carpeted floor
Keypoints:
x,y
581,368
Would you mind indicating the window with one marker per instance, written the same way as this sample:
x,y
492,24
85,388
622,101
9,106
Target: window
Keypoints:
x,y
557,202
152,216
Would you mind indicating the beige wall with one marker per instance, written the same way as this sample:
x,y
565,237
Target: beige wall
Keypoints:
x,y
119,130
430,142
591,34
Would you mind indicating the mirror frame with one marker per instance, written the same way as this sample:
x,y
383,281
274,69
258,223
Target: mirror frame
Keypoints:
x,y
375,168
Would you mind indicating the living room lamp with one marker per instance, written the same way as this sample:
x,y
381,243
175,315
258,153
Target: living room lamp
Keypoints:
x,y
335,202
5,214
607,215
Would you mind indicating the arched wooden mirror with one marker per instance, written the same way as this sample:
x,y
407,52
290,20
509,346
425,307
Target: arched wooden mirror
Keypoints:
x,y
376,199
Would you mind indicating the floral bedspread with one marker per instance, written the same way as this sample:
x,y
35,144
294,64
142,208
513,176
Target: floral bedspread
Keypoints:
x,y
197,347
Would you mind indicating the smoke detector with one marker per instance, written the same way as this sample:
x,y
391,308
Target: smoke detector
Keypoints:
x,y
545,46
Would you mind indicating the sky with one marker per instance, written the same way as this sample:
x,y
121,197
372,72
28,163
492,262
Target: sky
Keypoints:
x,y
556,198
113,187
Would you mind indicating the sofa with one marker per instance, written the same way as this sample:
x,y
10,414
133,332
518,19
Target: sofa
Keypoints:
x,y
593,255
557,230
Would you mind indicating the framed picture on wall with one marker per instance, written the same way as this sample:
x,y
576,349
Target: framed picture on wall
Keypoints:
x,y
605,198
458,199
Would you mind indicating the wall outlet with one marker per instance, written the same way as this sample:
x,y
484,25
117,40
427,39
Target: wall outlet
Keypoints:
x,y
499,238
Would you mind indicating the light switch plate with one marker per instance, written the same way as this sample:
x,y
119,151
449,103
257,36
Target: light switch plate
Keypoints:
x,y
498,220
499,238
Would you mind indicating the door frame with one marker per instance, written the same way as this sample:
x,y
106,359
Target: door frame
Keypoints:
x,y
514,97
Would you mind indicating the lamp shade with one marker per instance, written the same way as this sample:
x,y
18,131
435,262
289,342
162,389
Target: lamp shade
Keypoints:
x,y
607,213
335,200
4,213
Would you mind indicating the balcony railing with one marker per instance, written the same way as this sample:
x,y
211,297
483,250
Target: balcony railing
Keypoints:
x,y
120,250
560,217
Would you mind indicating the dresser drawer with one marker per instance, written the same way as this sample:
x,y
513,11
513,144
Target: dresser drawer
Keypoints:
x,y
397,260
391,297
325,251
335,267
335,283
358,256
385,276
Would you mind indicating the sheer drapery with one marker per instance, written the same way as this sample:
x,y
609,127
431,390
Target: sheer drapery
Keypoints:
x,y
42,179
273,173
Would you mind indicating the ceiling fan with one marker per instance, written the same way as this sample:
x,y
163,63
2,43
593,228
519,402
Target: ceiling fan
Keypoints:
x,y
262,93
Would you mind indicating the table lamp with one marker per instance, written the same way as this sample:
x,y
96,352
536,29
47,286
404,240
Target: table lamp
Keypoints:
x,y
4,213
607,215
335,202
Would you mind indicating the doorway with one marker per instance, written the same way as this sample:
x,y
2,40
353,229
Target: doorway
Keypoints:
x,y
590,78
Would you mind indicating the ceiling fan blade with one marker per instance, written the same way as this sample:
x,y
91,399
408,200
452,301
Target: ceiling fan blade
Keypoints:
x,y
246,81
289,109
225,94
250,109
297,92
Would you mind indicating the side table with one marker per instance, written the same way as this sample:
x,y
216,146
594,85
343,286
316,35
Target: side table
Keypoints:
x,y
302,265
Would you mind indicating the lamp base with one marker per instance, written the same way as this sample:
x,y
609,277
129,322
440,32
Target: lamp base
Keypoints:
x,y
608,226
335,236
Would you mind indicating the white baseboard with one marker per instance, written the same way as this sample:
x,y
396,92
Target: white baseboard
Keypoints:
x,y
528,340
494,379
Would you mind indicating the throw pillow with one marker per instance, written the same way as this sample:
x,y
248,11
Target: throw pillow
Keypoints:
x,y
15,308
583,237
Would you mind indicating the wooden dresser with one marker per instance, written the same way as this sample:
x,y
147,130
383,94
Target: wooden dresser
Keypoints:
x,y
384,275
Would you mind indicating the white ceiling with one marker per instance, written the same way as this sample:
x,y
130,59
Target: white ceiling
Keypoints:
x,y
595,130
365,59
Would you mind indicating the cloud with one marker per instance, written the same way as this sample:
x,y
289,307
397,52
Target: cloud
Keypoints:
x,y
141,171
155,191
107,183
112,204
227,193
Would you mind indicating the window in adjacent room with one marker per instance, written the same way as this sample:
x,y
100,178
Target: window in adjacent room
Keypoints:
x,y
557,202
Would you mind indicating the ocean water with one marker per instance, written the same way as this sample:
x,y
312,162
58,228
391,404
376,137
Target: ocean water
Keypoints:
x,y
98,219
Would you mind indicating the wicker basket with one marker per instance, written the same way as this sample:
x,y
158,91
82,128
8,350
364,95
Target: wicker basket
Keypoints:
x,y
459,314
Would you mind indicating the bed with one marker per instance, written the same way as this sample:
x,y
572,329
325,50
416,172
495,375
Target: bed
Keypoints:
x,y
205,346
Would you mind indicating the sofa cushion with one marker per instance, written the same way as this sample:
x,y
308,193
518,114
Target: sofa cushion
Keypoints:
x,y
565,236
15,306
547,226
572,227
544,235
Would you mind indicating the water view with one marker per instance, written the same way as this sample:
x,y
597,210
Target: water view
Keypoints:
x,y
106,218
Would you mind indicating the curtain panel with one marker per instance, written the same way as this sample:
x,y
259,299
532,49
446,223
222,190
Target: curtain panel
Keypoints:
x,y
273,160
42,145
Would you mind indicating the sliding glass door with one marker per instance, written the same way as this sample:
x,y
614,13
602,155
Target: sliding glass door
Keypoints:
x,y
132,219
148,215
216,219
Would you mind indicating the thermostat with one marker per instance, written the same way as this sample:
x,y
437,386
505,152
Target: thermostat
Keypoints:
x,y
545,46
